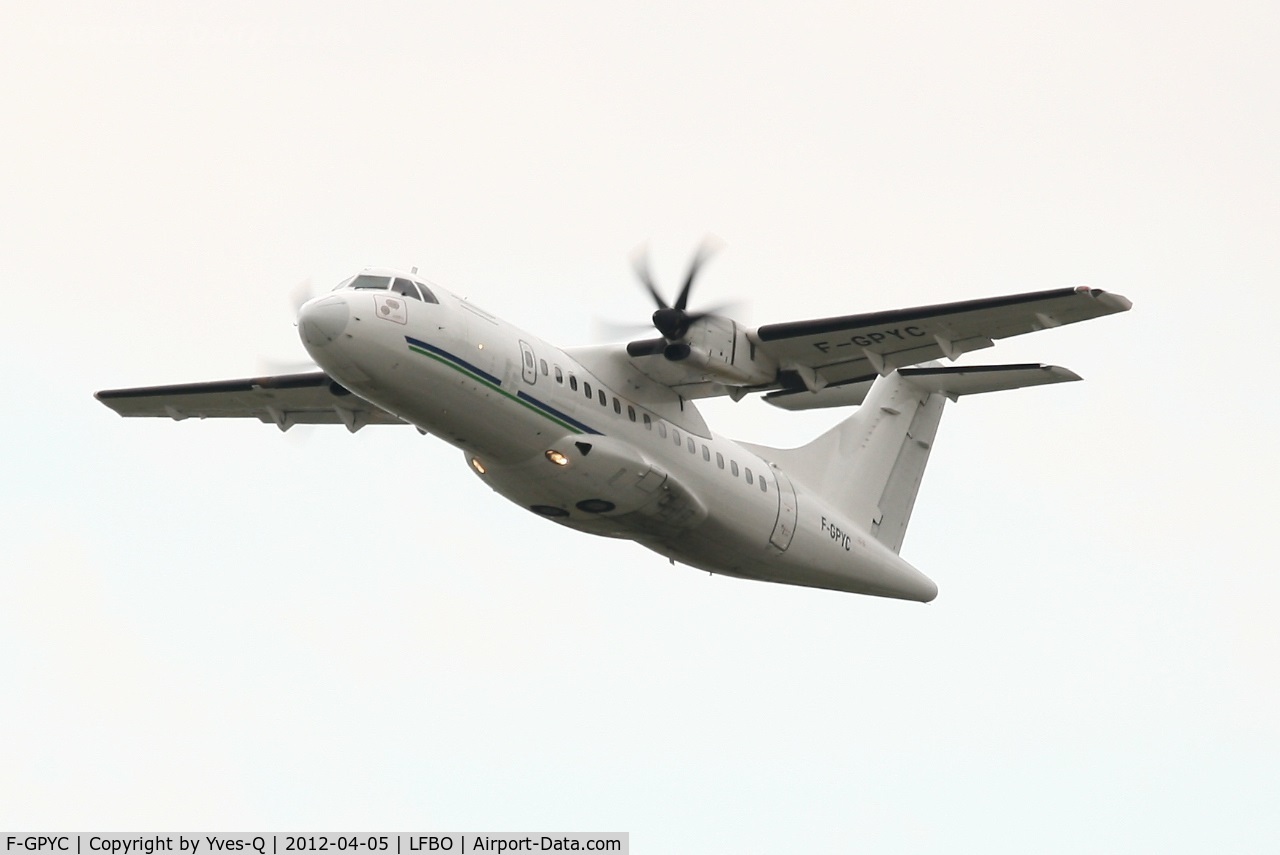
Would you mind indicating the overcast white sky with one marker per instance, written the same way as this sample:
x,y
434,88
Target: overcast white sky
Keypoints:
x,y
214,626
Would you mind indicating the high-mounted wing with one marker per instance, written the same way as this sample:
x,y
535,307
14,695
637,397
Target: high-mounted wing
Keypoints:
x,y
856,347
837,358
285,401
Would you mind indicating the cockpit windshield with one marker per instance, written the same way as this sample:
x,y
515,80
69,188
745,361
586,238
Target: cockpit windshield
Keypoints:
x,y
372,283
405,287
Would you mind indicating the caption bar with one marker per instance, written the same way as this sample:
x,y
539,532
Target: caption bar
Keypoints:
x,y
285,844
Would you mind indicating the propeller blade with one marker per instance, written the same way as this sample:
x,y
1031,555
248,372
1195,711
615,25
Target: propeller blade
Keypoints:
x,y
640,261
301,293
270,366
719,310
605,329
647,347
704,253
673,320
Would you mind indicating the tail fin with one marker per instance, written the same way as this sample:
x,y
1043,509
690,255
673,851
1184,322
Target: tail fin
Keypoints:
x,y
870,465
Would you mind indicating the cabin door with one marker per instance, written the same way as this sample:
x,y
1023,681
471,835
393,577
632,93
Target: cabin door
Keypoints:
x,y
528,365
785,528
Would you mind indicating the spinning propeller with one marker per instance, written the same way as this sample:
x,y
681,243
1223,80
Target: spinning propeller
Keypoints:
x,y
673,321
270,365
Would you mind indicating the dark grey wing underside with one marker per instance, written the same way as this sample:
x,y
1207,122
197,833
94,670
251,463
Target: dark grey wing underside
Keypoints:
x,y
285,400
830,362
858,347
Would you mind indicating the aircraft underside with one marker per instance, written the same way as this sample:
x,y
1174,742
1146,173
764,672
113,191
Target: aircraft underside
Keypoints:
x,y
607,440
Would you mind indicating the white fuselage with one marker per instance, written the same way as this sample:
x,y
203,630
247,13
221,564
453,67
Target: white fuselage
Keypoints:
x,y
593,443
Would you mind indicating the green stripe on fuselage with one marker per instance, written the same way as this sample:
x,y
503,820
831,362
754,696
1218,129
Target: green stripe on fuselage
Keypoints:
x,y
483,382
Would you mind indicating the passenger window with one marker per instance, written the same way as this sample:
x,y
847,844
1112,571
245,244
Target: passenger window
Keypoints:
x,y
406,288
648,422
631,412
528,359
720,460
542,363
604,399
559,375
748,475
586,387
693,446
662,429
706,454
764,485
617,408
676,435
573,383
733,467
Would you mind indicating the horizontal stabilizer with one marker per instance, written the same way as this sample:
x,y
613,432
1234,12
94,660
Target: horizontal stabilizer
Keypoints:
x,y
949,380
845,394
974,379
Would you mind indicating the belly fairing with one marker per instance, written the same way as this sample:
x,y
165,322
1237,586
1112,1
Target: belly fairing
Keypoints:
x,y
597,484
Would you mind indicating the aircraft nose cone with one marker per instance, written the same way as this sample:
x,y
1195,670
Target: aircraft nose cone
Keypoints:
x,y
322,321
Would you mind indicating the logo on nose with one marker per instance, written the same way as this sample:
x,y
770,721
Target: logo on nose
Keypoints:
x,y
391,308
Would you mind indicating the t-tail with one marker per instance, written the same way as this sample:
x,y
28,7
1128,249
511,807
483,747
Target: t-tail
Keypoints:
x,y
869,467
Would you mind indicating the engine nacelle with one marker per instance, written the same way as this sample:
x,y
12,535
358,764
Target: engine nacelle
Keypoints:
x,y
720,348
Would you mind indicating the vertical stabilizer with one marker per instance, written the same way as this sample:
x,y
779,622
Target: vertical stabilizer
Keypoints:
x,y
899,495
870,465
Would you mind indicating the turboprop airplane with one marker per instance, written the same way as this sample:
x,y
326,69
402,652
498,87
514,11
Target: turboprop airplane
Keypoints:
x,y
608,440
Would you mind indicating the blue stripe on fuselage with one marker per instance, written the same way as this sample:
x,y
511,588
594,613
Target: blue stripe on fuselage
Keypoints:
x,y
457,361
563,417
529,399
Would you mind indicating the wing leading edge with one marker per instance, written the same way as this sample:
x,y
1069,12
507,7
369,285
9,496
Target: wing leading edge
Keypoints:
x,y
852,350
285,401
856,346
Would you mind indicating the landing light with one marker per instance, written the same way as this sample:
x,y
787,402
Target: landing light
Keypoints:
x,y
477,465
557,458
